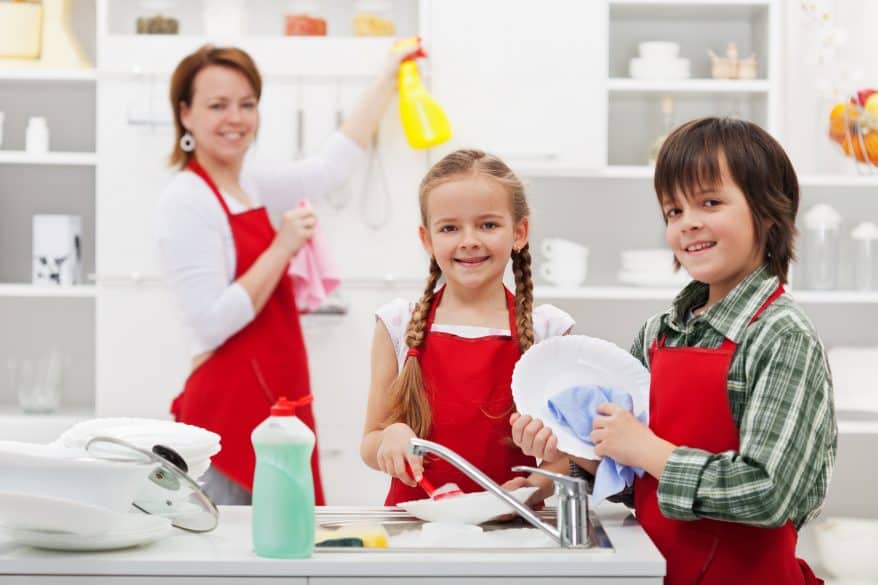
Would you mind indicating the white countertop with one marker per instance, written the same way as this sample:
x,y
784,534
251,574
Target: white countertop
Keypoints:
x,y
227,551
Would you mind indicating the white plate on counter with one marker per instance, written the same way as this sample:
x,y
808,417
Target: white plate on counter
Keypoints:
x,y
32,512
472,508
136,529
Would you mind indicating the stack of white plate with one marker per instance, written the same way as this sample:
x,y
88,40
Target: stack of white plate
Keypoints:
x,y
194,444
56,497
651,267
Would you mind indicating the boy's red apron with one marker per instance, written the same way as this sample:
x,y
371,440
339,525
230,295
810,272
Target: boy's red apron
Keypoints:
x,y
231,393
469,386
688,405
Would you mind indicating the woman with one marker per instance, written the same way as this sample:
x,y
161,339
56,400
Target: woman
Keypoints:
x,y
226,263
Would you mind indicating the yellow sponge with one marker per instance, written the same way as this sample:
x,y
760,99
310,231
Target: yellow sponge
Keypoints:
x,y
372,535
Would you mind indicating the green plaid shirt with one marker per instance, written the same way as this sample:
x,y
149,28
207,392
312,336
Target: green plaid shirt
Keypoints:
x,y
780,392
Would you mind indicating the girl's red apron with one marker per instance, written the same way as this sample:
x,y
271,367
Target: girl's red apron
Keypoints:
x,y
231,393
688,405
469,387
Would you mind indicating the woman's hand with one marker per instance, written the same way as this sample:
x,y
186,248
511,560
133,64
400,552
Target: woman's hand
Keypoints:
x,y
296,228
402,49
393,452
534,439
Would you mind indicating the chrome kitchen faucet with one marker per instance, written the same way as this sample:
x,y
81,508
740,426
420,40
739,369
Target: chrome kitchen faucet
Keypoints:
x,y
572,528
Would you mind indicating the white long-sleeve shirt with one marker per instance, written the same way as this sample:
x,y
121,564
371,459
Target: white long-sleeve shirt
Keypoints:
x,y
196,249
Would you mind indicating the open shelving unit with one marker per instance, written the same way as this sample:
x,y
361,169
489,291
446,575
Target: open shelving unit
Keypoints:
x,y
8,157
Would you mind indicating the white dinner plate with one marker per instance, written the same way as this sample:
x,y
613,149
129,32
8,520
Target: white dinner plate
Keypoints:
x,y
559,363
136,529
473,508
33,512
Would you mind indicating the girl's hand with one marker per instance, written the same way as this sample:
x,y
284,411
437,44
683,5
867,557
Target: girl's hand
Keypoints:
x,y
393,452
534,439
297,227
620,435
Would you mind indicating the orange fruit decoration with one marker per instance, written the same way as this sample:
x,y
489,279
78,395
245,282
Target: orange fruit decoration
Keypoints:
x,y
871,140
839,123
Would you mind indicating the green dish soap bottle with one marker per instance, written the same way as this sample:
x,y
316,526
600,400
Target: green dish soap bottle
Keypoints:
x,y
283,488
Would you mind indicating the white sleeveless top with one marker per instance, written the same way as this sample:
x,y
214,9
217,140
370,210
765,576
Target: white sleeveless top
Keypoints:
x,y
549,321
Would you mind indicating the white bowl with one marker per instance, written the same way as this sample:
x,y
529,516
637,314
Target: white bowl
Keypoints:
x,y
658,69
55,472
847,546
472,508
658,49
559,363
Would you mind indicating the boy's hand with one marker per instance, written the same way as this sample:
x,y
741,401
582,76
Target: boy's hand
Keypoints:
x,y
534,439
621,436
393,452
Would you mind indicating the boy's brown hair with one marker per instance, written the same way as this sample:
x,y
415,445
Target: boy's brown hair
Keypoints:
x,y
409,402
691,159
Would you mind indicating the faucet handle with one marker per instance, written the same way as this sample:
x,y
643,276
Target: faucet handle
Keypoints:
x,y
565,485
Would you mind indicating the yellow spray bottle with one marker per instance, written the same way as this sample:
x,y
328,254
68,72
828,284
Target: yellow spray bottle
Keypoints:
x,y
424,122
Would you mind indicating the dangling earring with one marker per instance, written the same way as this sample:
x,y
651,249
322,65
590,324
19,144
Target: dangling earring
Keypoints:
x,y
187,142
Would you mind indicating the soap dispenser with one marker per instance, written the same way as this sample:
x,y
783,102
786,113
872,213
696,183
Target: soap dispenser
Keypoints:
x,y
283,488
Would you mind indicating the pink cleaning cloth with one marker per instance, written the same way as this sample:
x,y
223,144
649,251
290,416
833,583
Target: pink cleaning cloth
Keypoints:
x,y
313,271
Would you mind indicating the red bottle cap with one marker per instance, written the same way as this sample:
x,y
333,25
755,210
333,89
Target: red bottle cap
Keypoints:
x,y
285,407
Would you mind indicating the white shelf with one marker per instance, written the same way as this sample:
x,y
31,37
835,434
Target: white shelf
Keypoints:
x,y
621,84
32,291
839,180
606,293
37,74
690,2
646,172
14,157
847,297
847,427
635,293
279,57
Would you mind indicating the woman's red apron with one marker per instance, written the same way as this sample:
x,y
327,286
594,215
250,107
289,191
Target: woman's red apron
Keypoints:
x,y
469,387
688,405
231,393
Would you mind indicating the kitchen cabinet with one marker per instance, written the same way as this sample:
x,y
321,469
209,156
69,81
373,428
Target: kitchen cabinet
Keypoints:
x,y
634,105
523,79
49,320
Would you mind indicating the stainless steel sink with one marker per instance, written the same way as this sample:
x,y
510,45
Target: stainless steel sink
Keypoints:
x,y
399,523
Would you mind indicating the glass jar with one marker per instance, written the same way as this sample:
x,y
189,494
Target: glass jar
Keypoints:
x,y
157,17
865,238
373,18
303,19
821,256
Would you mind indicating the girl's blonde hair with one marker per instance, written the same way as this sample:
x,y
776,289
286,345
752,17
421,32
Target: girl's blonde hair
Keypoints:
x,y
408,397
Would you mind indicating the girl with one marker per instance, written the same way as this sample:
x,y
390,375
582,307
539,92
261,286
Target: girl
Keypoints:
x,y
442,368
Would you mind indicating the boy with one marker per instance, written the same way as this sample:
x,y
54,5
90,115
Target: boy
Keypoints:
x,y
742,433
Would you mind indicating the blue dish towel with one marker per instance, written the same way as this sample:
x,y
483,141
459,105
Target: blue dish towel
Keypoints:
x,y
576,408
